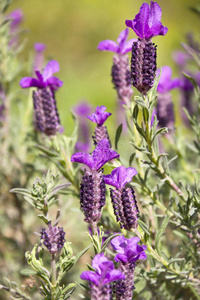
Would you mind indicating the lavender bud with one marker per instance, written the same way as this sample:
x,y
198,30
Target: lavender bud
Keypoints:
x,y
54,238
92,195
143,65
45,111
121,76
123,289
100,134
125,207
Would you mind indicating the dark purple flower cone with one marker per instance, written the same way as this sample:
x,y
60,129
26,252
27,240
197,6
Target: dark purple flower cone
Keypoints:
x,y
54,238
92,195
165,111
143,65
121,77
125,207
46,116
101,292
123,289
100,134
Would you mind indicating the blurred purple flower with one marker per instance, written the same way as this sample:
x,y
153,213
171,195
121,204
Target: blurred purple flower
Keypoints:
x,y
147,22
45,79
39,47
120,176
105,271
100,115
17,17
166,83
39,55
121,47
181,58
82,109
101,155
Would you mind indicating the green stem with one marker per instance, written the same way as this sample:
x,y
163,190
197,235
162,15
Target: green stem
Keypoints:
x,y
53,277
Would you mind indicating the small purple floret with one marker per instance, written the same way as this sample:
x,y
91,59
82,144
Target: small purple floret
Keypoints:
x,y
128,250
100,115
53,238
121,47
147,22
39,47
101,155
45,79
105,271
120,176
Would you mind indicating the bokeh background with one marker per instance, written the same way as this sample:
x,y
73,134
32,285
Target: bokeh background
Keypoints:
x,y
72,30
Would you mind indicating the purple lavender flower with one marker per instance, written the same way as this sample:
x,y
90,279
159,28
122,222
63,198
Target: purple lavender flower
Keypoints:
x,y
100,279
16,17
146,25
121,77
53,238
99,117
46,116
123,198
128,252
165,107
92,190
82,110
39,55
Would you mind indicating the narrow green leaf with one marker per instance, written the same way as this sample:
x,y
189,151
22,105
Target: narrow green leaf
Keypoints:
x,y
118,134
47,151
160,233
28,272
143,226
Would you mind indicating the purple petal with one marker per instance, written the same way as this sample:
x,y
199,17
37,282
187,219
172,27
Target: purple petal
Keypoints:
x,y
83,158
40,78
102,154
119,244
155,14
54,82
28,82
51,68
113,276
166,83
90,276
100,115
128,46
123,36
108,45
156,29
120,176
141,20
121,257
39,47
98,260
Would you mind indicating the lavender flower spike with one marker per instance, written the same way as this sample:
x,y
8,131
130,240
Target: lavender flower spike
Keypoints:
x,y
100,279
99,117
39,55
46,116
92,190
128,252
120,73
123,198
146,25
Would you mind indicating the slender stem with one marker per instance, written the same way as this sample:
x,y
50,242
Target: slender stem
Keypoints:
x,y
53,276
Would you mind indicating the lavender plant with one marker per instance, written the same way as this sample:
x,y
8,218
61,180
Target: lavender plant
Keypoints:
x,y
151,217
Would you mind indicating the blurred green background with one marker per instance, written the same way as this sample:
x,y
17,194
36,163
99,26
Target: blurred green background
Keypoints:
x,y
72,30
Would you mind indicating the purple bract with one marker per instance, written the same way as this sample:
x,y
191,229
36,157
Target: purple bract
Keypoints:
x,y
105,271
120,176
101,155
39,47
147,22
100,115
166,83
17,17
45,79
128,249
121,47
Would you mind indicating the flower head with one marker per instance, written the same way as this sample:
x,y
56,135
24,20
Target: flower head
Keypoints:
x,y
120,176
39,47
128,250
147,22
100,115
45,79
121,47
105,271
166,83
101,155
53,238
16,16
